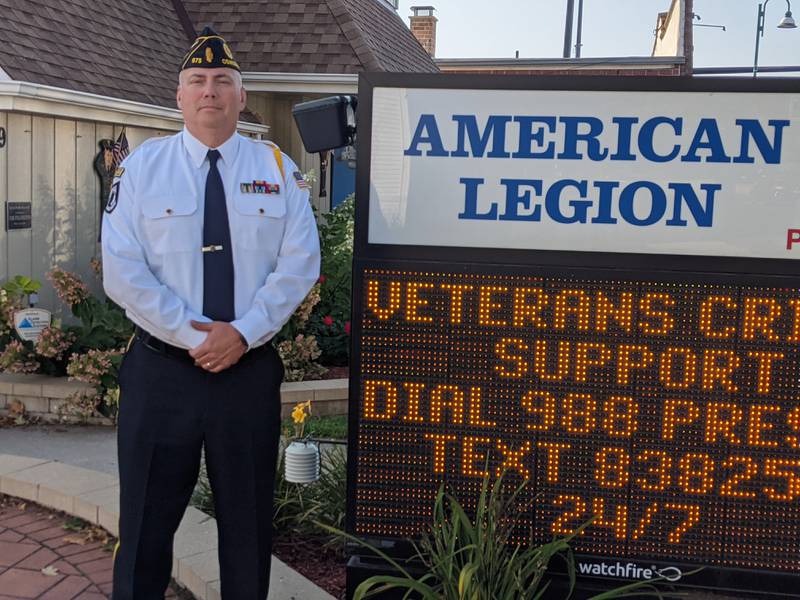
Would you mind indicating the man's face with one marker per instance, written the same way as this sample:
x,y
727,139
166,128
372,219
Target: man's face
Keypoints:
x,y
210,99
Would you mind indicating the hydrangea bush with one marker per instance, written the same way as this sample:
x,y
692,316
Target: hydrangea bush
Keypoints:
x,y
319,332
89,350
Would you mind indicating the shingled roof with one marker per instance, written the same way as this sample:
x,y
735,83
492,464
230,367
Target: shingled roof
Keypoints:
x,y
123,49
131,49
313,36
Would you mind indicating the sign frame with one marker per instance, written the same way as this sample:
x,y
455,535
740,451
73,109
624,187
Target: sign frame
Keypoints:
x,y
662,267
19,216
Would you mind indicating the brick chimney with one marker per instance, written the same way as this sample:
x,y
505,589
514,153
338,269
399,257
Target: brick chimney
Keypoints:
x,y
423,26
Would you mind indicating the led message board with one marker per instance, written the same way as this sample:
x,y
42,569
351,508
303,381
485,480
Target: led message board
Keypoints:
x,y
656,395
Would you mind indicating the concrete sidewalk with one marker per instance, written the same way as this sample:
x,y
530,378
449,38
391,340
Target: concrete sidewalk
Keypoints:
x,y
93,494
90,447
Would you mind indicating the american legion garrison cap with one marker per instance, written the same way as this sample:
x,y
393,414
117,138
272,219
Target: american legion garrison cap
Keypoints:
x,y
209,51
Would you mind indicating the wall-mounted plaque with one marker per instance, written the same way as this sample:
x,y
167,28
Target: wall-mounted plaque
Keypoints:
x,y
18,215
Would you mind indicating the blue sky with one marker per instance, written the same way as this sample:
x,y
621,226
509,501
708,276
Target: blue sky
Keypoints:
x,y
475,29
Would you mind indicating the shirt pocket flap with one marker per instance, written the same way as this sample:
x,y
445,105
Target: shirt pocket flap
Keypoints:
x,y
159,207
258,205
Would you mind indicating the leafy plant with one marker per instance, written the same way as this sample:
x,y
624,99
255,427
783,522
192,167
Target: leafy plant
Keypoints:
x,y
11,300
202,497
89,351
318,332
103,325
327,427
298,351
21,286
299,508
477,559
299,356
330,321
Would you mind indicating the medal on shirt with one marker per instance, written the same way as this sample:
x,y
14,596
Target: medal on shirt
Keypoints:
x,y
259,187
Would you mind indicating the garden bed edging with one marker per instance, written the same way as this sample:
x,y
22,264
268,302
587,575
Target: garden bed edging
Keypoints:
x,y
41,395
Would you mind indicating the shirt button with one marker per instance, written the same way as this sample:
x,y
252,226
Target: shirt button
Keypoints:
x,y
261,211
169,211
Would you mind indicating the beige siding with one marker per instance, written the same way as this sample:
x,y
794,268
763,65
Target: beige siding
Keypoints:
x,y
42,169
65,234
3,198
18,150
87,203
50,163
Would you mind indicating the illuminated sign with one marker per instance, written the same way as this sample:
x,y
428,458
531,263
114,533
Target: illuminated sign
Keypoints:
x,y
670,412
655,394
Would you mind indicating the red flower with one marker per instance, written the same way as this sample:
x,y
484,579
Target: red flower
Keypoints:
x,y
347,327
328,320
321,279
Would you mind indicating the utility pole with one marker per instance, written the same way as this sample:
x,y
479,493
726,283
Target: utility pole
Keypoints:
x,y
568,28
578,36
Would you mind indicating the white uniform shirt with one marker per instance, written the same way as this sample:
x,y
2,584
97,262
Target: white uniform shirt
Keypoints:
x,y
153,237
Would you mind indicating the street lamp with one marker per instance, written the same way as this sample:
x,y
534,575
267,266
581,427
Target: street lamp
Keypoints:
x,y
568,28
787,22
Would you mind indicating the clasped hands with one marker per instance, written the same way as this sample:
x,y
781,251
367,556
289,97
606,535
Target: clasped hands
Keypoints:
x,y
222,348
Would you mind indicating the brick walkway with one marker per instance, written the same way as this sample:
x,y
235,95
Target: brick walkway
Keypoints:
x,y
41,559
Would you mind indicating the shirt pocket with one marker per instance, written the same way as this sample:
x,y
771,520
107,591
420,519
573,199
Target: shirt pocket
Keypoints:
x,y
170,225
260,220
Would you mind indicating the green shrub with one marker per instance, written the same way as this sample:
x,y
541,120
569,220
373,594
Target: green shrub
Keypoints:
x,y
202,498
20,286
299,508
90,351
478,558
328,428
330,320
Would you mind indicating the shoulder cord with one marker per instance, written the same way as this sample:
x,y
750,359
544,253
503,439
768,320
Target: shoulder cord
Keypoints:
x,y
279,159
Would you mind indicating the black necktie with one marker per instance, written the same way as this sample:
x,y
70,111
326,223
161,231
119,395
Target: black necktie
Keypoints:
x,y
217,255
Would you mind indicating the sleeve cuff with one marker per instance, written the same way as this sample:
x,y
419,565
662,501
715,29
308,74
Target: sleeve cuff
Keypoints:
x,y
250,327
189,337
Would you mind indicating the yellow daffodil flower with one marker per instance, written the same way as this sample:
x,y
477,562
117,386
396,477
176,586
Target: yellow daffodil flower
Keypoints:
x,y
299,414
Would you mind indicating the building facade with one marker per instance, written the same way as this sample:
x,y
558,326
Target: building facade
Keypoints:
x,y
76,72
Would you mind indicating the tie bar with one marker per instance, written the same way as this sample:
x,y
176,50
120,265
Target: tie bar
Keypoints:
x,y
212,248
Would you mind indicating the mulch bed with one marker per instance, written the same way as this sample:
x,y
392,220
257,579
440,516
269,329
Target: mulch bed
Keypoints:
x,y
337,373
306,555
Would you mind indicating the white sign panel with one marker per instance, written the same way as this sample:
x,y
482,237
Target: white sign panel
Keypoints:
x,y
688,173
29,323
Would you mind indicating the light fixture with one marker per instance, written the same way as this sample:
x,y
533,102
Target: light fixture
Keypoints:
x,y
787,22
326,123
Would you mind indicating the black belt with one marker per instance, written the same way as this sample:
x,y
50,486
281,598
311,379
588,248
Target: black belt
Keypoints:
x,y
160,347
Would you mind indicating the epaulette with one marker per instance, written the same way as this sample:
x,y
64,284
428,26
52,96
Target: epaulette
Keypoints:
x,y
278,156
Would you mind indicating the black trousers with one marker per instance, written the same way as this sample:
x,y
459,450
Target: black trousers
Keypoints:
x,y
170,410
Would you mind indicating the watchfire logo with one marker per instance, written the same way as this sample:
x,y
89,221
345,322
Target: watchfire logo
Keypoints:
x,y
629,571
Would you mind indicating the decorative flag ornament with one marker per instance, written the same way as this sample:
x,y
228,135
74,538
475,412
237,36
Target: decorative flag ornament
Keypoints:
x,y
119,151
209,51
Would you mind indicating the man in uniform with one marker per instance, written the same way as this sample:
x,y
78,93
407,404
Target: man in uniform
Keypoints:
x,y
209,244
